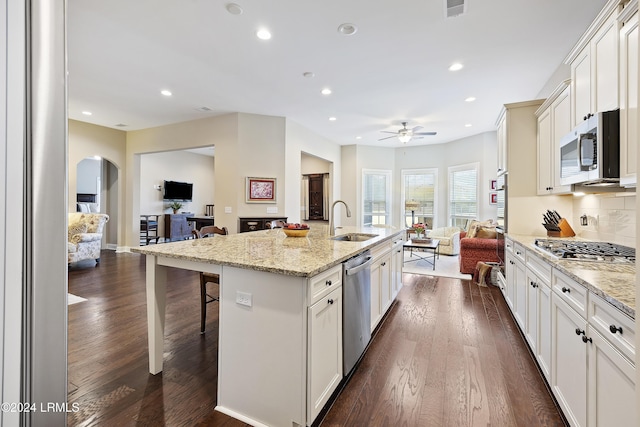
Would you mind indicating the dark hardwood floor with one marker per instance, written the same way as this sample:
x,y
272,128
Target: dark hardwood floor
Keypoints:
x,y
447,354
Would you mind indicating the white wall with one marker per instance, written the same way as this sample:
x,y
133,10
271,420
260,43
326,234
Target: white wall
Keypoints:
x,y
89,170
312,164
480,148
181,166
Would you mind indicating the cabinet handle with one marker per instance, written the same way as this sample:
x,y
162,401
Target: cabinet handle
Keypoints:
x,y
330,301
586,340
518,253
566,290
328,283
383,264
615,329
534,284
579,331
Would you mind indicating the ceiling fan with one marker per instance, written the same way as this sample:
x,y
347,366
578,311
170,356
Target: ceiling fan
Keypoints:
x,y
405,135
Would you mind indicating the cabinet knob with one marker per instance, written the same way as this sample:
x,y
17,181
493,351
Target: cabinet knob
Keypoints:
x,y
328,283
614,329
586,340
534,284
330,301
383,264
579,331
566,290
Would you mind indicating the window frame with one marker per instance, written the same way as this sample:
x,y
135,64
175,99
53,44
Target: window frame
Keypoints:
x,y
459,168
388,196
420,171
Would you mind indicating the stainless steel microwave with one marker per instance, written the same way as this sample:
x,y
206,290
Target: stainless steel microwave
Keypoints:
x,y
590,153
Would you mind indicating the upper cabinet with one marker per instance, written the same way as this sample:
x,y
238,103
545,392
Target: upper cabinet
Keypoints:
x,y
628,95
554,121
502,143
594,67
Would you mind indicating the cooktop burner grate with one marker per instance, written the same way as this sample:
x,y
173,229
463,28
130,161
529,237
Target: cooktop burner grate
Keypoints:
x,y
595,251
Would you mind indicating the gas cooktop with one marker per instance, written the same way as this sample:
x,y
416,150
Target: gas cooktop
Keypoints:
x,y
586,251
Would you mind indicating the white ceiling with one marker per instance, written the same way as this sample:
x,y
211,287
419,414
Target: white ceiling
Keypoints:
x,y
121,53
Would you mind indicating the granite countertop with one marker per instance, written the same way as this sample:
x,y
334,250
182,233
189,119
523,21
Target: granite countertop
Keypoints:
x,y
272,251
615,283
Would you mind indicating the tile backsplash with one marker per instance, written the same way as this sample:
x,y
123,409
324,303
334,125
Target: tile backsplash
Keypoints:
x,y
610,217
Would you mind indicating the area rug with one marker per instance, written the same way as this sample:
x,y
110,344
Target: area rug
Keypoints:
x,y
74,299
446,266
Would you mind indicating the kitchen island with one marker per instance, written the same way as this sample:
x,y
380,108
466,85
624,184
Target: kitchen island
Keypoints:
x,y
280,323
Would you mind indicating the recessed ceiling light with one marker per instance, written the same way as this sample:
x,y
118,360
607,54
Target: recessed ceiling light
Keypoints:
x,y
326,91
455,66
470,99
347,29
468,125
308,74
332,119
166,92
358,137
234,9
87,113
263,34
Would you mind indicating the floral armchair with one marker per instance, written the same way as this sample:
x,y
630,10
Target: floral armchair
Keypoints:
x,y
449,238
85,236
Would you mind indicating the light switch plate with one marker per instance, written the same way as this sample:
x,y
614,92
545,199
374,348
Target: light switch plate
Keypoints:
x,y
227,209
272,210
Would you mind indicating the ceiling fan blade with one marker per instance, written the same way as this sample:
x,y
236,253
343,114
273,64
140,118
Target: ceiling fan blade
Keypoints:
x,y
382,139
415,128
387,131
426,133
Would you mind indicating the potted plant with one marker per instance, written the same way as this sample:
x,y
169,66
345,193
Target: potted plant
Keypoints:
x,y
175,206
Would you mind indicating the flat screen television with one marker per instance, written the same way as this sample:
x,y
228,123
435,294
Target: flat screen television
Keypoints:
x,y
174,190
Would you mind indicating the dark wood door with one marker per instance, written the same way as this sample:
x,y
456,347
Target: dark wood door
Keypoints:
x,y
316,207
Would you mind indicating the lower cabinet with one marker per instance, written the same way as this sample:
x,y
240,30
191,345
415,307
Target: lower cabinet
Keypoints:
x,y
397,261
381,296
324,364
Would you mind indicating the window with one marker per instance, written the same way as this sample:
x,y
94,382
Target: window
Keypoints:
x,y
463,194
419,186
376,197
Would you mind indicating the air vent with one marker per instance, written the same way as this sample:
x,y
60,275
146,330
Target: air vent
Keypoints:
x,y
204,109
454,8
121,125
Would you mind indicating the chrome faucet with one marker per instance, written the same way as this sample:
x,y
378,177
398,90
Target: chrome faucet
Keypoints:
x,y
332,230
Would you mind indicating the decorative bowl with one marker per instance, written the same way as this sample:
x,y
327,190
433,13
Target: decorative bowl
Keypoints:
x,y
295,232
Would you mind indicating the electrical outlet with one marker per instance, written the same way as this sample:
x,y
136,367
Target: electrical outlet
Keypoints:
x,y
272,210
244,298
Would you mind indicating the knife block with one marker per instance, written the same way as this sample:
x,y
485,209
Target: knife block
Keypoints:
x,y
565,230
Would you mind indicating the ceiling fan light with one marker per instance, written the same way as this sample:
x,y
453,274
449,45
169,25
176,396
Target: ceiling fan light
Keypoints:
x,y
404,138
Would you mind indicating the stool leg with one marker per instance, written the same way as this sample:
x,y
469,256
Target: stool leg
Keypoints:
x,y
203,303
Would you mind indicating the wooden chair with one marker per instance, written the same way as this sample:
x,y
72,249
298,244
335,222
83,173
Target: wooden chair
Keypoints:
x,y
205,298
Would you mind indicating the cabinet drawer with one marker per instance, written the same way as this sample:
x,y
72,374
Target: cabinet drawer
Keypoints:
x,y
508,245
323,283
519,251
541,268
381,250
571,292
615,326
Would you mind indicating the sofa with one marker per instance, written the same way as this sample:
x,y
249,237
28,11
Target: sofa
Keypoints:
x,y
449,238
85,236
479,243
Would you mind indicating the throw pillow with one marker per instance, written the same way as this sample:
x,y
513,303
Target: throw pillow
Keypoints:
x,y
76,228
486,233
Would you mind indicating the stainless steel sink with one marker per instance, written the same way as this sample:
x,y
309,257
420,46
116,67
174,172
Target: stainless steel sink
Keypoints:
x,y
354,237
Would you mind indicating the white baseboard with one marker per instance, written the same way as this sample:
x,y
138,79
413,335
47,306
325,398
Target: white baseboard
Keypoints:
x,y
121,249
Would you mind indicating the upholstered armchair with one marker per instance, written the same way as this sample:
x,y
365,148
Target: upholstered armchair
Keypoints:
x,y
85,236
449,238
482,245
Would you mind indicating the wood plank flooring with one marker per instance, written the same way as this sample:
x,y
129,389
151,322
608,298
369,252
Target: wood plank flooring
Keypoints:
x,y
447,354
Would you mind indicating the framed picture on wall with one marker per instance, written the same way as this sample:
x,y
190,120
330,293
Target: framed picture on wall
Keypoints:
x,y
493,198
261,190
494,184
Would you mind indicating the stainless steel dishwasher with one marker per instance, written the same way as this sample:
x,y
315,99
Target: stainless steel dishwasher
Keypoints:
x,y
356,308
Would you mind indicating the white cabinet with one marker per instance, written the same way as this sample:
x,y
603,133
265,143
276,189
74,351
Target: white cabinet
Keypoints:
x,y
381,293
569,361
397,262
538,326
510,270
629,98
324,364
519,285
592,379
502,143
554,121
594,73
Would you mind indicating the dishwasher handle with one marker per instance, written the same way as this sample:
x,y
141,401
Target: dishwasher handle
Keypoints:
x,y
358,268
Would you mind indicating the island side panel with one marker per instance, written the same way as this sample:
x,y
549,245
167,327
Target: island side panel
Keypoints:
x,y
262,351
156,282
